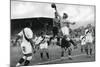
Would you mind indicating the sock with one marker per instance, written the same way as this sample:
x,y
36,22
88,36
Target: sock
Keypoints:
x,y
41,55
26,63
86,51
72,42
47,55
20,62
69,57
69,52
91,51
62,54
81,49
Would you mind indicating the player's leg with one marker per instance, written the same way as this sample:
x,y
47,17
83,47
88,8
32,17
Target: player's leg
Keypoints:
x,y
21,61
55,31
62,51
86,49
62,46
68,46
41,53
47,53
28,59
91,45
69,53
90,49
26,63
23,58
58,41
82,47
72,42
27,51
42,49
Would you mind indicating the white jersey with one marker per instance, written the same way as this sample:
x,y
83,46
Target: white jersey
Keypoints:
x,y
42,41
38,40
89,38
64,22
25,45
83,40
44,45
65,30
64,26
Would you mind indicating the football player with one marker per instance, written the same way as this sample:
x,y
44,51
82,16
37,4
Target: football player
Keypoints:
x,y
42,42
83,43
64,26
89,41
26,46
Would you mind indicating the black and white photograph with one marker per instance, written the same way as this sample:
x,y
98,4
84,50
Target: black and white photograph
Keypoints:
x,y
51,33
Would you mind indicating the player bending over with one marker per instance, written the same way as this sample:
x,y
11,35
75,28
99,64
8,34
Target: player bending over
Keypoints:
x,y
26,46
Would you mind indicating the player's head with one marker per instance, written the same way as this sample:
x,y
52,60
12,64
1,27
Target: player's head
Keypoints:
x,y
53,5
86,31
65,15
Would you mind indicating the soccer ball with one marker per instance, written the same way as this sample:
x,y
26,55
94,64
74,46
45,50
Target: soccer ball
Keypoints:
x,y
53,5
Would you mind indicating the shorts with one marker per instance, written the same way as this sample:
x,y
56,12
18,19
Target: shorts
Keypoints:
x,y
89,45
44,45
65,43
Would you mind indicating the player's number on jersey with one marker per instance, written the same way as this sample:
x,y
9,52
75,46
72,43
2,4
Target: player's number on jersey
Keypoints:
x,y
24,49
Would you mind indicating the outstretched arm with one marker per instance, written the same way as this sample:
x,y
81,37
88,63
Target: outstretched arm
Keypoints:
x,y
18,36
58,15
16,40
56,11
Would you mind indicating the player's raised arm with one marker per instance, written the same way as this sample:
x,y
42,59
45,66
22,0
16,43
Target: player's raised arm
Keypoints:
x,y
58,15
53,5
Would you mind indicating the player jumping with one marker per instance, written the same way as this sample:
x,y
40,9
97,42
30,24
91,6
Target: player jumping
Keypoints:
x,y
64,28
